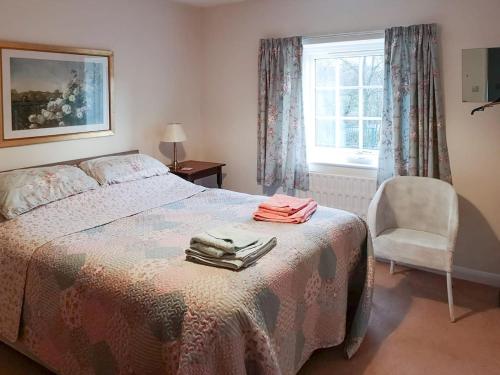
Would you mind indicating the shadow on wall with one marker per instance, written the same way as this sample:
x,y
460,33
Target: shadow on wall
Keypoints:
x,y
477,247
167,150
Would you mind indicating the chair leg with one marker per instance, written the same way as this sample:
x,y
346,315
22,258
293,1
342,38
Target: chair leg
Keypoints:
x,y
391,270
450,296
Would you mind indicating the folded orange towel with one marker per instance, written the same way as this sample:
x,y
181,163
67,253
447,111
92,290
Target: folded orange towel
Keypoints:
x,y
273,212
298,217
285,204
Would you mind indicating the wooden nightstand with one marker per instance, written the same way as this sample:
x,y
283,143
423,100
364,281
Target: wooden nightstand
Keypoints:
x,y
199,169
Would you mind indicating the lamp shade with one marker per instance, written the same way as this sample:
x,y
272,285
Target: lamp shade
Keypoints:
x,y
174,133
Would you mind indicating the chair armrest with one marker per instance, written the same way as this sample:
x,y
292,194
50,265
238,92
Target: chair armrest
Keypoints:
x,y
376,217
453,222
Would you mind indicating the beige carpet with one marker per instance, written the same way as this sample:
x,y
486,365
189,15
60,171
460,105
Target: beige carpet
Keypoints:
x,y
409,332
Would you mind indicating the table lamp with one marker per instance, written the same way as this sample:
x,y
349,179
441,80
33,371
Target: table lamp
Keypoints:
x,y
174,133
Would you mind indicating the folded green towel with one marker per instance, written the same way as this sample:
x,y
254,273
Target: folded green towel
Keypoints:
x,y
228,238
229,247
242,259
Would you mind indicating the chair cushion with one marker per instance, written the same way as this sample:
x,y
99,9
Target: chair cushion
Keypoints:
x,y
414,247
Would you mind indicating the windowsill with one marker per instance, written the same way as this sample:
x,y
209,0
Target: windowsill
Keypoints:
x,y
345,165
325,157
352,170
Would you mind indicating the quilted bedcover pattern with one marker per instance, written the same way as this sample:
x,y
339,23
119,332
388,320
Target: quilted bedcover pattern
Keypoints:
x,y
113,291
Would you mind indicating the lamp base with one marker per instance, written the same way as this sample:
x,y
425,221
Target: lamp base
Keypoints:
x,y
175,163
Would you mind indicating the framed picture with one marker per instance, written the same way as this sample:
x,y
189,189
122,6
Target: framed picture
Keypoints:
x,y
51,93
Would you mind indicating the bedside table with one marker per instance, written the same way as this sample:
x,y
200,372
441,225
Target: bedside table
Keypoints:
x,y
200,169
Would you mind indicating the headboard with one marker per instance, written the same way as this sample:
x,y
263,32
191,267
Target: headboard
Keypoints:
x,y
78,161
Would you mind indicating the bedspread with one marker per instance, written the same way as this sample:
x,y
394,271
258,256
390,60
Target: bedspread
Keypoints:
x,y
112,292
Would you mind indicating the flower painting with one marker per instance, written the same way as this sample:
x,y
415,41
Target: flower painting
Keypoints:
x,y
49,96
67,94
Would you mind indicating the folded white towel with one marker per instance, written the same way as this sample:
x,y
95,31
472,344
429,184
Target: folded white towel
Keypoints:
x,y
229,247
228,238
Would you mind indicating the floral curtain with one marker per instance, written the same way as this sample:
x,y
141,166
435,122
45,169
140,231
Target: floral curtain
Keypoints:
x,y
413,134
281,160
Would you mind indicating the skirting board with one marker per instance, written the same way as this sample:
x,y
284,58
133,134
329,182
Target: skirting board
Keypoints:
x,y
476,276
463,273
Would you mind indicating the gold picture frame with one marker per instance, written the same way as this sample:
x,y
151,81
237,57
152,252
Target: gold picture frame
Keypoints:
x,y
52,124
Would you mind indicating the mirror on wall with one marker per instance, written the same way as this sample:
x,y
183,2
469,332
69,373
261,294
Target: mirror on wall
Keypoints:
x,y
480,75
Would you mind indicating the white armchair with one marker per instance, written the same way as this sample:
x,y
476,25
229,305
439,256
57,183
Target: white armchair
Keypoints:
x,y
414,220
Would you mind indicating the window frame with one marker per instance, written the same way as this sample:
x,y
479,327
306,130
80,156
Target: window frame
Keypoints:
x,y
336,47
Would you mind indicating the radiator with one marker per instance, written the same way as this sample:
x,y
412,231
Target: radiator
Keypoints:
x,y
348,193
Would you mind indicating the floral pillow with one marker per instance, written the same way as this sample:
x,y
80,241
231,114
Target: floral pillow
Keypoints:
x,y
25,189
116,169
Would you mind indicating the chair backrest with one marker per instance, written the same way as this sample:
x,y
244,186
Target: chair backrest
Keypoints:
x,y
419,203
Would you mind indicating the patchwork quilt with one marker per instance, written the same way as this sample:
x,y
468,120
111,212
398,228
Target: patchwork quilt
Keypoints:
x,y
98,283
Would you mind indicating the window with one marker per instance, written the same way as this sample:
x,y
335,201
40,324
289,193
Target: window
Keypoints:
x,y
343,91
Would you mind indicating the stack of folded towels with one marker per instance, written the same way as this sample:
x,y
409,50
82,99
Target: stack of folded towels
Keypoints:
x,y
229,247
285,209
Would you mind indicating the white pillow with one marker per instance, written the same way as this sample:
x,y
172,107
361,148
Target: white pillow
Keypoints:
x,y
25,189
116,169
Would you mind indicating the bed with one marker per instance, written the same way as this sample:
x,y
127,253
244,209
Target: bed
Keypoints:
x,y
98,283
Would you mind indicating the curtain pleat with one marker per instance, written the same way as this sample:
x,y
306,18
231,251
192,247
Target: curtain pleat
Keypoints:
x,y
413,134
281,158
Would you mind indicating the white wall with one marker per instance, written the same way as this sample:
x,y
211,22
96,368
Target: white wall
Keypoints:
x,y
156,47
231,36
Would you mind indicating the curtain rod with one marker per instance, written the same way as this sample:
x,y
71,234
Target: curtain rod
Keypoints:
x,y
339,35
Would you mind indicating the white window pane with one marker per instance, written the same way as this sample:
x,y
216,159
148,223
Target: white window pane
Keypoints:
x,y
349,102
349,71
349,137
371,134
325,103
373,71
343,100
325,133
372,102
325,72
